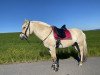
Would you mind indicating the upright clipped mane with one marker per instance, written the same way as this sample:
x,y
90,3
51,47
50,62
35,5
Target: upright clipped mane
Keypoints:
x,y
40,22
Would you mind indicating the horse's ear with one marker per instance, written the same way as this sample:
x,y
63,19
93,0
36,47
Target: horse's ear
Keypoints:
x,y
26,20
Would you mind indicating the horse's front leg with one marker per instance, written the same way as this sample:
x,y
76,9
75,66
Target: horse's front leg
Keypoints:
x,y
55,65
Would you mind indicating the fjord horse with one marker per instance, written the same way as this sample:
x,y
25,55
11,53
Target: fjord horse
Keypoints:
x,y
45,33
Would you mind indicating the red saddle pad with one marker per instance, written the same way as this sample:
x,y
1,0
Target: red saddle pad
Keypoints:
x,y
67,33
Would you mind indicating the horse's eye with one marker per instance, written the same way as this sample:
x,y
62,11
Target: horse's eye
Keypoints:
x,y
24,27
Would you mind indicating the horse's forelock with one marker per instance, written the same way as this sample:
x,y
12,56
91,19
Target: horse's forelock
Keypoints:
x,y
25,23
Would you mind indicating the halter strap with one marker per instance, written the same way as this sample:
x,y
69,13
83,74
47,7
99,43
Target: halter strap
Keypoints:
x,y
27,29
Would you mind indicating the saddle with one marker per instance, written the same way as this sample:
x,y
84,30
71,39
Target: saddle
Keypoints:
x,y
60,31
61,34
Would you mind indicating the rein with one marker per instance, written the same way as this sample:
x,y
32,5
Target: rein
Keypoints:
x,y
47,36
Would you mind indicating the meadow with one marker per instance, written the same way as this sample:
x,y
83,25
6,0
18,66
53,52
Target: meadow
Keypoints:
x,y
15,50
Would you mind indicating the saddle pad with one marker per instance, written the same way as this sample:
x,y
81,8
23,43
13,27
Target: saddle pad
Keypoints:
x,y
67,33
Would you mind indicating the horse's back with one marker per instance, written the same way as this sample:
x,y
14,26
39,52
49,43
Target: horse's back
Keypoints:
x,y
76,31
77,34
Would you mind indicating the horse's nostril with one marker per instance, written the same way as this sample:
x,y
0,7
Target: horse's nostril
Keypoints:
x,y
22,37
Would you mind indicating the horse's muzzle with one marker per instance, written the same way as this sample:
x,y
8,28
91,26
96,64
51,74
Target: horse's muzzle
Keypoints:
x,y
23,36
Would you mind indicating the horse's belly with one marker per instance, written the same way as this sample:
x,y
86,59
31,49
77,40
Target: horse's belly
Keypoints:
x,y
66,43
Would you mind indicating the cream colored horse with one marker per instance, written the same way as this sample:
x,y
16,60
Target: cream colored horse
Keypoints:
x,y
45,33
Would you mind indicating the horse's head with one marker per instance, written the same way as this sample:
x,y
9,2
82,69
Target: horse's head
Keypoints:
x,y
25,30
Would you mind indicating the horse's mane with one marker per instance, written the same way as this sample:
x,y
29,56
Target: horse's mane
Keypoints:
x,y
40,22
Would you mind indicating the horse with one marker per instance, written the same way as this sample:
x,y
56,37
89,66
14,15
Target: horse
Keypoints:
x,y
45,33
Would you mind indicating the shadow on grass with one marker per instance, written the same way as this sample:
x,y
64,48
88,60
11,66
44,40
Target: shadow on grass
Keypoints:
x,y
61,53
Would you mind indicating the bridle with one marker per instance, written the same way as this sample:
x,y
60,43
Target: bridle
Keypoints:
x,y
28,27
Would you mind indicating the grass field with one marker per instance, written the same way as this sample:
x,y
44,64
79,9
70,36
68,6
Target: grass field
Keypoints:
x,y
12,49
93,42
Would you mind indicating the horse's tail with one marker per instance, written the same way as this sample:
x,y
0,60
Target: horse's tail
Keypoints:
x,y
85,49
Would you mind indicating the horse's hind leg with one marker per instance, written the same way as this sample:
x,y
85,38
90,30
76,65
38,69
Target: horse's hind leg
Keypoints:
x,y
55,64
81,54
79,48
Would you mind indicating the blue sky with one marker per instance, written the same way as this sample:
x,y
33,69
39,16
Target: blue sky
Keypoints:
x,y
82,14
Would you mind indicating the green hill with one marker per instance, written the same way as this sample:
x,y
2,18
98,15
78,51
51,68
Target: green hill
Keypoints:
x,y
12,49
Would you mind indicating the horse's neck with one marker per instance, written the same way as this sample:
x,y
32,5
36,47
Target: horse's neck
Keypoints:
x,y
41,31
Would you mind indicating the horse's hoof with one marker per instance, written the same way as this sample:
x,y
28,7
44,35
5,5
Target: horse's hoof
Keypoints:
x,y
55,67
80,64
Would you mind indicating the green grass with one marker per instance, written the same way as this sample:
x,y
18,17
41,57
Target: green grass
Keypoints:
x,y
93,42
12,49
